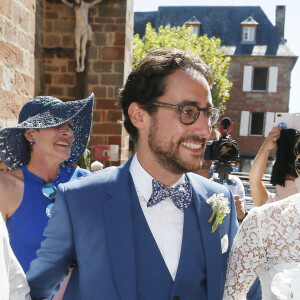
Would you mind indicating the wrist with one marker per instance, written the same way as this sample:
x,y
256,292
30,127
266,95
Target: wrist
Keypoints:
x,y
242,219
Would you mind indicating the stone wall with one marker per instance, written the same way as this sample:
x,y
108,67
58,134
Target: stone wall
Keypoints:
x,y
17,40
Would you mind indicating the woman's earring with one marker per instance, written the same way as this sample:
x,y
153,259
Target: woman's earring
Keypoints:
x,y
31,143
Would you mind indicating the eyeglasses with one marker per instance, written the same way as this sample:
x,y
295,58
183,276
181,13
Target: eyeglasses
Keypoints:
x,y
189,113
49,191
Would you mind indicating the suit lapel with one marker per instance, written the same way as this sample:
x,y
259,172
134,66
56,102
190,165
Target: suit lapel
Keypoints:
x,y
211,241
118,220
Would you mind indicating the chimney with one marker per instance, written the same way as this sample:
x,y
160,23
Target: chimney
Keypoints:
x,y
280,19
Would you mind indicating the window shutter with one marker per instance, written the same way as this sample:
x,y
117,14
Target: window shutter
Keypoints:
x,y
247,80
244,124
273,76
269,122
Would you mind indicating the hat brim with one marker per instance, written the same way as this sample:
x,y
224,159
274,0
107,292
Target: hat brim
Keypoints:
x,y
13,144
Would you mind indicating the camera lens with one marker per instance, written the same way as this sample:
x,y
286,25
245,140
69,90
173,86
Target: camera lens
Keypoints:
x,y
227,152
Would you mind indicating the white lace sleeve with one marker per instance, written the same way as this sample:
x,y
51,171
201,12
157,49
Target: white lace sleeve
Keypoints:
x,y
245,258
268,242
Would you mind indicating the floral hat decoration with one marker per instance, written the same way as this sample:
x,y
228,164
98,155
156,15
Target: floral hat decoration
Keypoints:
x,y
46,112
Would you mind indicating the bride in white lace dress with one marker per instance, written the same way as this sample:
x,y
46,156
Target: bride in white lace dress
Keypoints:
x,y
267,243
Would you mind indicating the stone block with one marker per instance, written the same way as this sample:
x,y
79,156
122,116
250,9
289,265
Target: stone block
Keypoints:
x,y
110,104
119,39
55,91
51,15
48,26
48,78
100,39
10,32
64,79
102,66
115,140
8,79
113,53
20,16
107,128
112,11
114,116
96,140
5,8
11,55
93,52
119,67
112,79
63,26
99,91
114,28
92,79
52,40
24,84
68,40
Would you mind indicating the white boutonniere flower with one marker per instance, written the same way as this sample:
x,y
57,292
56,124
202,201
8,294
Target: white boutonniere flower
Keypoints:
x,y
220,207
285,284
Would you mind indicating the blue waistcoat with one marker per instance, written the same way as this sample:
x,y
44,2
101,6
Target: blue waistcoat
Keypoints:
x,y
153,278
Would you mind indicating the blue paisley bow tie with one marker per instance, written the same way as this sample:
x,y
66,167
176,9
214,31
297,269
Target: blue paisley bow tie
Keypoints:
x,y
181,195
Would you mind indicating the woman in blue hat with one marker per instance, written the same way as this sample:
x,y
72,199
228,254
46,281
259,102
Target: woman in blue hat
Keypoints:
x,y
50,137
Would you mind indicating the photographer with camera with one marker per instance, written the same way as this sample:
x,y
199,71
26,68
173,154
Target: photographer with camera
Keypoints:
x,y
221,150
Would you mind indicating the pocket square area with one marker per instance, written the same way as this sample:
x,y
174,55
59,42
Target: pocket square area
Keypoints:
x,y
224,243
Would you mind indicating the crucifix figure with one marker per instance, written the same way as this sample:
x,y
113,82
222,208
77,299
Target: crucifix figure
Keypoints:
x,y
83,31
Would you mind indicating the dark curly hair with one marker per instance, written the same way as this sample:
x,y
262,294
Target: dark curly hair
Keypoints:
x,y
146,82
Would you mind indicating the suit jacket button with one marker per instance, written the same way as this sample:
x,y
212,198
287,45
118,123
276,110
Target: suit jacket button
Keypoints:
x,y
176,298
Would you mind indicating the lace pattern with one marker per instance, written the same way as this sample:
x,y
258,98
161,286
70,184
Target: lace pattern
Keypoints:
x,y
267,242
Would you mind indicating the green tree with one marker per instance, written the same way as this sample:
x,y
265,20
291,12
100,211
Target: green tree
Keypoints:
x,y
209,49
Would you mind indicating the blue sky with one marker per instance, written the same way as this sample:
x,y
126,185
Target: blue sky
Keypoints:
x,y
269,7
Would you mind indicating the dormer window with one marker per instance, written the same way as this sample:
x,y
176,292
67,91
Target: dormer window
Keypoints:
x,y
249,28
248,34
195,24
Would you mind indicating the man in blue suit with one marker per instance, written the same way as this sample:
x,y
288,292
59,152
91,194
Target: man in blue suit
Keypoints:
x,y
141,231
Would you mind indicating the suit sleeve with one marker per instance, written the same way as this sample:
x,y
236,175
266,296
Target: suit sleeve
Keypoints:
x,y
56,254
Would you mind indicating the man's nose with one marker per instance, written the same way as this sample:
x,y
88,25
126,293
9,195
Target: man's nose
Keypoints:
x,y
202,126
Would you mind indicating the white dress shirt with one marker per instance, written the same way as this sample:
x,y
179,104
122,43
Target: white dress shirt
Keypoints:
x,y
164,219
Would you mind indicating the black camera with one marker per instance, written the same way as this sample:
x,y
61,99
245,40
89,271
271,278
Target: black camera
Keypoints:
x,y
223,152
225,149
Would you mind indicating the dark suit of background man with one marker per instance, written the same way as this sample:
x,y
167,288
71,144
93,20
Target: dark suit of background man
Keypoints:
x,y
128,243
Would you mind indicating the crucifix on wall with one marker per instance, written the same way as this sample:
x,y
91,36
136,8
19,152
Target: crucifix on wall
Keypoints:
x,y
83,30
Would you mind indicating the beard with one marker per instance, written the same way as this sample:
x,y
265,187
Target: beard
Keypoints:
x,y
168,154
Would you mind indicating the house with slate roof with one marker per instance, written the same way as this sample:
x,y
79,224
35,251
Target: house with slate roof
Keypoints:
x,y
260,69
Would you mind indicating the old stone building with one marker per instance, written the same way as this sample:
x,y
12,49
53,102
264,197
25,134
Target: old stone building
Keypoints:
x,y
37,57
260,69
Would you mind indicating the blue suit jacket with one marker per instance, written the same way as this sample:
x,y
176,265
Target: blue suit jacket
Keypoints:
x,y
92,225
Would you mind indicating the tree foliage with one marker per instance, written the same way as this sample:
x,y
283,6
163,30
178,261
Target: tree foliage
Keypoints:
x,y
209,49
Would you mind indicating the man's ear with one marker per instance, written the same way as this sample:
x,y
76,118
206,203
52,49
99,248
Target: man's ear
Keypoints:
x,y
137,115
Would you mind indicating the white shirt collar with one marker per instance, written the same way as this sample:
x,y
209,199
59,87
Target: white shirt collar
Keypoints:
x,y
143,180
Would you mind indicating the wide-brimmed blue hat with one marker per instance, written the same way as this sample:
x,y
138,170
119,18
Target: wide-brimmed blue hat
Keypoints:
x,y
46,112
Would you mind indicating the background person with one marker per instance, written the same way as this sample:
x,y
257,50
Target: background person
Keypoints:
x,y
268,242
96,166
237,190
40,150
283,171
141,230
13,283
